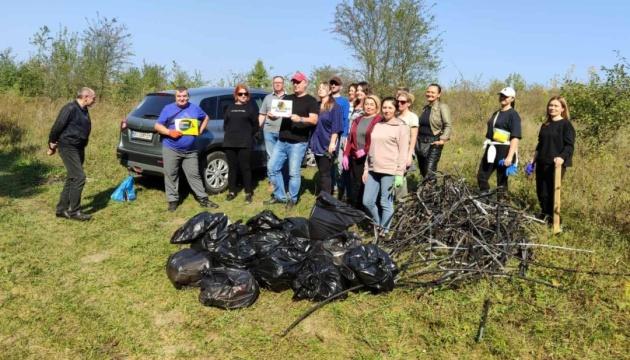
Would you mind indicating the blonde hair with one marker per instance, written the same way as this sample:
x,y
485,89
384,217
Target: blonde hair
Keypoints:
x,y
376,99
408,95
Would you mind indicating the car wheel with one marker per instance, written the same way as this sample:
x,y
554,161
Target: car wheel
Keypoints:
x,y
215,174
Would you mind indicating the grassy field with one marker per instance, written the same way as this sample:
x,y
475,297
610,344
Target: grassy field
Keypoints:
x,y
99,290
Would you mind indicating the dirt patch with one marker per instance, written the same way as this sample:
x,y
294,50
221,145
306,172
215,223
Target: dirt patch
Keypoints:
x,y
173,317
95,258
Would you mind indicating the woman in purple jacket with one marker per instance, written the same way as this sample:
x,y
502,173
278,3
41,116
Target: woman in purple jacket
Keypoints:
x,y
324,139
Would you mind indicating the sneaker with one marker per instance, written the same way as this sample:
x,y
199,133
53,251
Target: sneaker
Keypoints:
x,y
77,215
172,206
206,203
248,198
61,214
230,196
273,200
291,204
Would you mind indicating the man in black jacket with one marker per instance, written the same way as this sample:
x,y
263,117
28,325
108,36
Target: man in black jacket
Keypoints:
x,y
69,135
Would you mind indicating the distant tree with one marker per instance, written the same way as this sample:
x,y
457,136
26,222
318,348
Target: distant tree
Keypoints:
x,y
393,40
8,70
258,77
106,50
324,73
180,77
516,81
154,77
57,57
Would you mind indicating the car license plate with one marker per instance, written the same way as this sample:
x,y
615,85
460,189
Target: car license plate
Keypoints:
x,y
141,135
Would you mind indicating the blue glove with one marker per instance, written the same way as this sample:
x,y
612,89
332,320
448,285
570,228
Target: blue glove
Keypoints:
x,y
511,170
529,169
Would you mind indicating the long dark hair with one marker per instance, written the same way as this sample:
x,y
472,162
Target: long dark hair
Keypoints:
x,y
365,87
330,102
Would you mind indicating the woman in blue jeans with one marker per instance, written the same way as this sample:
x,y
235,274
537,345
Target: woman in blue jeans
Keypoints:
x,y
386,164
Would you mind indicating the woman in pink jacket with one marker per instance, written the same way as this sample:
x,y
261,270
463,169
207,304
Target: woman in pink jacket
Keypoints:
x,y
386,164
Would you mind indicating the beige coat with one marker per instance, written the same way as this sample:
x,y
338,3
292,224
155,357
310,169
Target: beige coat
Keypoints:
x,y
440,120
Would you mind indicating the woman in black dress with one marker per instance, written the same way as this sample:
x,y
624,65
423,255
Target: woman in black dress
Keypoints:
x,y
556,141
240,124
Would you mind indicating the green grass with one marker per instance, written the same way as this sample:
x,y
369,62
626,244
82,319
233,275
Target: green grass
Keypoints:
x,y
99,289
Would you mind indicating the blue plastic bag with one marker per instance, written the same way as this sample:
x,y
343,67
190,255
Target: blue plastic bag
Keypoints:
x,y
125,191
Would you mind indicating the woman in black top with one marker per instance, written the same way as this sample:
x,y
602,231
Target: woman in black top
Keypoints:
x,y
556,141
240,123
502,137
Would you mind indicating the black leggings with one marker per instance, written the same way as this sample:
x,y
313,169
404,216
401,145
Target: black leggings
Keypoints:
x,y
356,181
324,167
545,174
428,156
239,159
486,169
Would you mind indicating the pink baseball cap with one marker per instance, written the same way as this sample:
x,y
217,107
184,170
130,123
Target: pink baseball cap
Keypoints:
x,y
298,76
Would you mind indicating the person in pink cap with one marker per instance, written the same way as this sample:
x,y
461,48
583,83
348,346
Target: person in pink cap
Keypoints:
x,y
293,138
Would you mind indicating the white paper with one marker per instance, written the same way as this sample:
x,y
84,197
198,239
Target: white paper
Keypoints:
x,y
281,108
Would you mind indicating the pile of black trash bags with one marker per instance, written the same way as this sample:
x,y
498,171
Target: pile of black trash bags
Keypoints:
x,y
316,257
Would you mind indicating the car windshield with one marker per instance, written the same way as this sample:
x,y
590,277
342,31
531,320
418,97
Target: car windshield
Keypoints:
x,y
152,105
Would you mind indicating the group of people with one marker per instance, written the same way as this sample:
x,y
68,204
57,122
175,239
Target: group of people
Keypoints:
x,y
363,146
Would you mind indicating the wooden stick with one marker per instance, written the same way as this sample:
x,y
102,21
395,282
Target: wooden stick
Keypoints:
x,y
557,180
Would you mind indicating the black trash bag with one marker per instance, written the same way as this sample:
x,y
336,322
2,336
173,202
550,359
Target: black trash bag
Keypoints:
x,y
227,288
234,247
331,216
265,220
184,268
339,244
213,235
277,269
297,226
372,266
264,242
197,226
318,278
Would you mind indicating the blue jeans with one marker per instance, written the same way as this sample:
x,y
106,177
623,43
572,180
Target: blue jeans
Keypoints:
x,y
283,151
382,183
271,138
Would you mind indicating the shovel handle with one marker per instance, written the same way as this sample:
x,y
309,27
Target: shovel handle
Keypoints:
x,y
557,185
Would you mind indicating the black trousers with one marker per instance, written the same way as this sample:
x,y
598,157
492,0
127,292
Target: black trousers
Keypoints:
x,y
239,159
545,175
486,169
73,158
356,183
324,167
428,155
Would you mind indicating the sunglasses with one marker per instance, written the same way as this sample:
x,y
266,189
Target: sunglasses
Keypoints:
x,y
401,102
333,83
243,94
295,82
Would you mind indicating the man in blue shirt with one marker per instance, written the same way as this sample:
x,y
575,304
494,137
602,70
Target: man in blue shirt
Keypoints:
x,y
341,178
180,150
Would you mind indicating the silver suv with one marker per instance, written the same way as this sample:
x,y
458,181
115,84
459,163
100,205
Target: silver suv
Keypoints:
x,y
140,149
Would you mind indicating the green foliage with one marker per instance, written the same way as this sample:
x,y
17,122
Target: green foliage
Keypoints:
x,y
516,81
324,73
396,44
258,77
8,70
106,48
180,77
601,106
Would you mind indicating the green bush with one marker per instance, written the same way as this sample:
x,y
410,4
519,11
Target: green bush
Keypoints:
x,y
601,105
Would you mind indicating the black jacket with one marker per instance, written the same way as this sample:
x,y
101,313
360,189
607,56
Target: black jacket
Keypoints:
x,y
72,126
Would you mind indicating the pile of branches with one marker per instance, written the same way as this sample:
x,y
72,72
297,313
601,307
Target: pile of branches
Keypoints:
x,y
445,235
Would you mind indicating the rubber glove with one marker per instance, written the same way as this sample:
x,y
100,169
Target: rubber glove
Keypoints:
x,y
345,163
511,170
174,134
398,181
359,153
529,169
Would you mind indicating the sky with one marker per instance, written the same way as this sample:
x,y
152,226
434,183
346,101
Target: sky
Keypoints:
x,y
482,40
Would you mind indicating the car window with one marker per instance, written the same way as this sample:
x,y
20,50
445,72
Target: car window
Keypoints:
x,y
209,106
257,100
224,102
151,106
